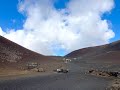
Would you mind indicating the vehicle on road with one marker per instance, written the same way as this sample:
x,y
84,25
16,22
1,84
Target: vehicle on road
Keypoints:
x,y
61,70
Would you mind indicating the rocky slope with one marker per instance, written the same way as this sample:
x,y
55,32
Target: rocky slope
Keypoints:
x,y
14,56
110,52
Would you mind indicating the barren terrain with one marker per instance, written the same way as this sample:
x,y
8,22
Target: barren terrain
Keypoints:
x,y
22,69
14,59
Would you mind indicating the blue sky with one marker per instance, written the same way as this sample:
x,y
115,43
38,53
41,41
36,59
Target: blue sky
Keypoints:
x,y
11,18
114,18
9,15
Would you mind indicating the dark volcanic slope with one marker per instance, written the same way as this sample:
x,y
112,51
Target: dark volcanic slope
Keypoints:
x,y
13,55
105,52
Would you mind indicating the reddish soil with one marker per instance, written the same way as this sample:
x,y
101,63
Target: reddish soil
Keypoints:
x,y
16,57
109,52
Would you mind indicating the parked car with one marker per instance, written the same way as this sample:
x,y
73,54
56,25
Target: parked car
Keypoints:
x,y
61,70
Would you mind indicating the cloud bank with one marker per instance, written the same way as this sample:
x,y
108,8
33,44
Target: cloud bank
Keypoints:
x,y
50,31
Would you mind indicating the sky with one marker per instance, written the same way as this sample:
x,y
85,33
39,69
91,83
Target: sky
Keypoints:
x,y
57,27
114,18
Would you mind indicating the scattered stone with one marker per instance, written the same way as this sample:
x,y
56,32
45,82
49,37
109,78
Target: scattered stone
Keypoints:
x,y
38,70
115,74
115,85
91,71
41,70
32,65
103,73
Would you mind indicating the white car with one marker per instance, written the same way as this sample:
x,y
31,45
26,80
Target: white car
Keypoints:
x,y
61,70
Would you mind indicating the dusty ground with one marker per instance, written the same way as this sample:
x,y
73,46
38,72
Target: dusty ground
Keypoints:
x,y
74,80
114,85
77,78
5,73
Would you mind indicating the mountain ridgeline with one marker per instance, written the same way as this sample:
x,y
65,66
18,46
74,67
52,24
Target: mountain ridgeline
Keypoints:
x,y
108,52
13,55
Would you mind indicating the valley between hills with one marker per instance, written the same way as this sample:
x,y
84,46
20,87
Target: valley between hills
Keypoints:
x,y
91,68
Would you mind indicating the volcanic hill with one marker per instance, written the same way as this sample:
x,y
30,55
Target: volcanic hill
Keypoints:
x,y
16,57
109,52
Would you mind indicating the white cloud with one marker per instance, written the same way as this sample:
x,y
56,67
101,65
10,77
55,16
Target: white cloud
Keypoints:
x,y
47,29
1,32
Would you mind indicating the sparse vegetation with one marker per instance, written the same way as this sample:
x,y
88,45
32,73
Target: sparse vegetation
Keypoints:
x,y
103,73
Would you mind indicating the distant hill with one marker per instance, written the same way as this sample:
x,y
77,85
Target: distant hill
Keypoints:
x,y
14,56
109,52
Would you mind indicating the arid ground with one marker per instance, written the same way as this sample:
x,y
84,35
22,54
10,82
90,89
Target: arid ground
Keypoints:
x,y
22,69
77,78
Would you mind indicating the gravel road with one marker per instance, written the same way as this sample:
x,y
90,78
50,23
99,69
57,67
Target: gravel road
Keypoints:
x,y
76,79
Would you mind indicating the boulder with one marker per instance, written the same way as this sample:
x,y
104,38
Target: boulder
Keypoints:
x,y
38,70
41,70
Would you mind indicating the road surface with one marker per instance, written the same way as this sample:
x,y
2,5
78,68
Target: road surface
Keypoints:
x,y
76,79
